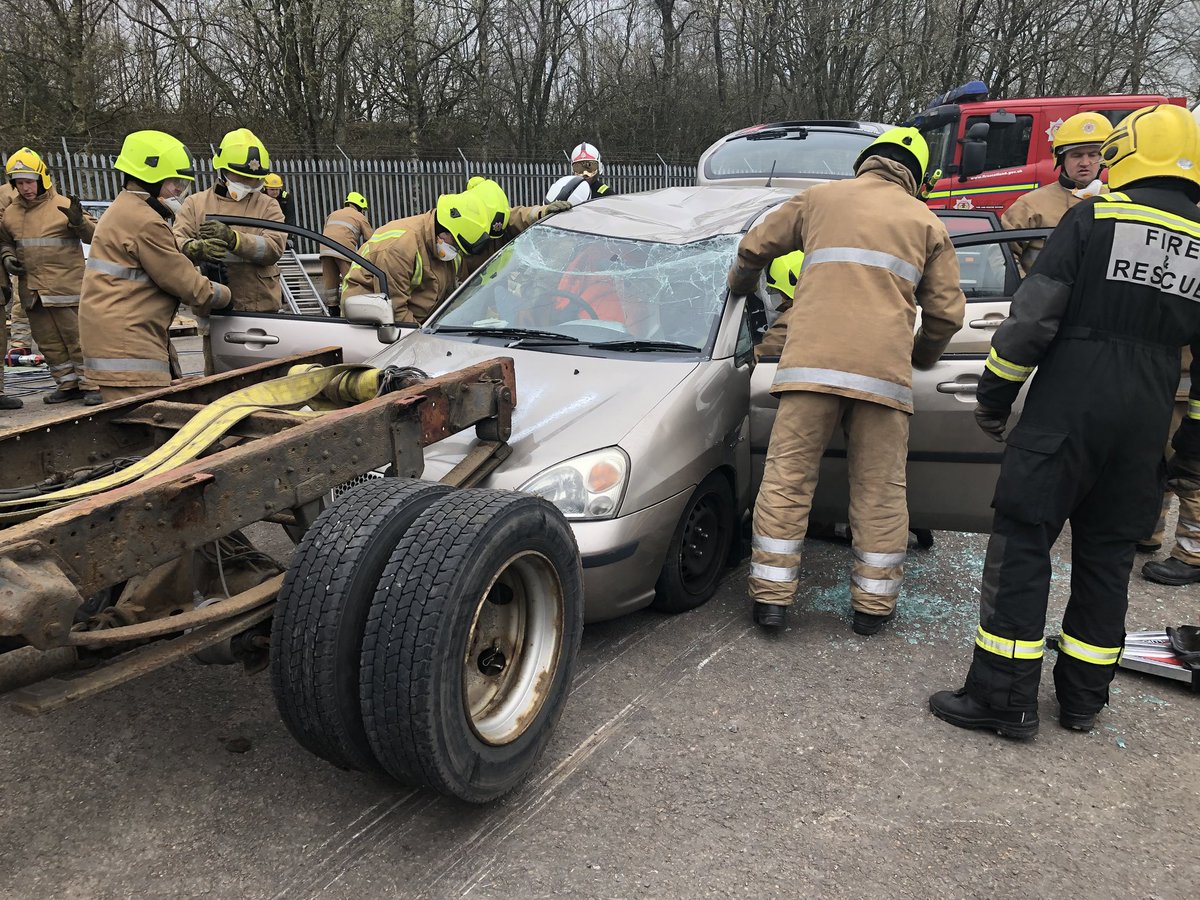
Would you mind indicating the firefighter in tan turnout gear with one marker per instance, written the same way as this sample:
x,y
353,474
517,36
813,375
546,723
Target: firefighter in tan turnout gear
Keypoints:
x,y
421,255
873,252
351,228
41,242
241,258
1077,155
19,337
136,275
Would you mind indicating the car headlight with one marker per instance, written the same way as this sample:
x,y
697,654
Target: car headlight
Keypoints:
x,y
586,487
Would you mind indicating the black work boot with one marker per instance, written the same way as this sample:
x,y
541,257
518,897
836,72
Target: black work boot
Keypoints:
x,y
770,615
92,398
961,709
866,623
1074,721
7,402
1148,546
1171,571
61,396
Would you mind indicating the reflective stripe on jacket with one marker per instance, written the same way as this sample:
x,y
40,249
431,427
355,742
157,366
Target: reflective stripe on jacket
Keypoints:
x,y
135,278
417,280
873,252
348,227
49,248
252,275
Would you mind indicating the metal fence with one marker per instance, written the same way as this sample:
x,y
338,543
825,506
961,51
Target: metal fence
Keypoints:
x,y
394,188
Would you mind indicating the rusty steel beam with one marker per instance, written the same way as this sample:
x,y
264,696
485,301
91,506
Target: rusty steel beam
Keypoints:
x,y
81,440
100,541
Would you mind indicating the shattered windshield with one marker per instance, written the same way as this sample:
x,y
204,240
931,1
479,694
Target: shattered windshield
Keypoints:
x,y
595,290
790,152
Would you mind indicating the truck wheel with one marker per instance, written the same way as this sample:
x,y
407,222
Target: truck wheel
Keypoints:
x,y
699,548
316,636
471,643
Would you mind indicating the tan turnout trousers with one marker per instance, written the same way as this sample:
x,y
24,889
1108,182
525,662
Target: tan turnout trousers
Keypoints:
x,y
20,335
56,330
1187,529
333,270
876,450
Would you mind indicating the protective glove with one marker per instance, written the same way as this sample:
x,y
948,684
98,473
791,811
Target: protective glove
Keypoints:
x,y
219,231
12,265
74,212
555,206
199,251
1183,474
222,297
992,421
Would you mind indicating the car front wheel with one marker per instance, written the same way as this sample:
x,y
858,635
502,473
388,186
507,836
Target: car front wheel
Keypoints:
x,y
699,548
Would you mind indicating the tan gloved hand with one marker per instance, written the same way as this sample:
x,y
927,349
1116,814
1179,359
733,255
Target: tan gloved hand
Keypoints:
x,y
199,251
555,206
219,231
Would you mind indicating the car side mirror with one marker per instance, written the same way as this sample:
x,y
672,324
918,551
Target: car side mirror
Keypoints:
x,y
372,309
974,150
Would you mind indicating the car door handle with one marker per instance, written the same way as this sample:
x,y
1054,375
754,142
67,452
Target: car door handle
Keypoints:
x,y
991,322
250,337
958,387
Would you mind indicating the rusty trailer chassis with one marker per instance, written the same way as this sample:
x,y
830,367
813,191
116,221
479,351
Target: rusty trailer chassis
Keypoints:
x,y
278,469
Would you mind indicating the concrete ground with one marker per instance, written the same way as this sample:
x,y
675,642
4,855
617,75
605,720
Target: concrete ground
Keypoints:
x,y
696,757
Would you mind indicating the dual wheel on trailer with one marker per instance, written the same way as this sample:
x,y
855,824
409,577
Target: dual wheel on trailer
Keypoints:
x,y
430,634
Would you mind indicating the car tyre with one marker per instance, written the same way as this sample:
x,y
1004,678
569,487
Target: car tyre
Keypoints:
x,y
471,643
699,548
316,635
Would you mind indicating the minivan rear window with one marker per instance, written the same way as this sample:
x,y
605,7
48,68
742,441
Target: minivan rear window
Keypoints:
x,y
803,152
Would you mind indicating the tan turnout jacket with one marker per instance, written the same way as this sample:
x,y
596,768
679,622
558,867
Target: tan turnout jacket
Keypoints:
x,y
135,278
253,276
417,280
8,194
1042,208
49,248
349,227
873,253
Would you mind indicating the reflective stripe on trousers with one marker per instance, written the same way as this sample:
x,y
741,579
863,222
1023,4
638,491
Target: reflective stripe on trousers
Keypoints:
x,y
877,577
1008,648
127,365
1088,653
851,380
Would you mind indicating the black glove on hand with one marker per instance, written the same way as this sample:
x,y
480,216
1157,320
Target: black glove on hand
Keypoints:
x,y
12,265
992,421
1183,474
74,212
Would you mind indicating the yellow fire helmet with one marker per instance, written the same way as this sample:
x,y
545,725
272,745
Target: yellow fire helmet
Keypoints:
x,y
784,273
470,219
26,163
1160,141
273,181
1081,130
154,156
905,145
243,153
496,198
356,199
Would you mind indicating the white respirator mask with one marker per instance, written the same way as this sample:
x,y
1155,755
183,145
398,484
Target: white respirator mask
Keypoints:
x,y
446,252
1089,190
173,204
239,191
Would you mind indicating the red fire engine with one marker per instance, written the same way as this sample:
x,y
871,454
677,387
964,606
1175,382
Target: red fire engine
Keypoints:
x,y
992,151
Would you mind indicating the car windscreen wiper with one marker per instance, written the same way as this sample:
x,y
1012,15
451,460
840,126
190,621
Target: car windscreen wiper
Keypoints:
x,y
644,346
489,331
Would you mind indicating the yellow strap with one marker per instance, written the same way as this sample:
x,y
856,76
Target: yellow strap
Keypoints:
x,y
1193,409
1148,215
1009,371
1009,649
1088,653
204,429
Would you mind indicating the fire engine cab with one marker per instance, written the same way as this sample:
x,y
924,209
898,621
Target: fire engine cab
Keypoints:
x,y
992,151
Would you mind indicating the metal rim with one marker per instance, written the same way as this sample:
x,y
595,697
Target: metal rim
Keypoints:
x,y
513,648
702,536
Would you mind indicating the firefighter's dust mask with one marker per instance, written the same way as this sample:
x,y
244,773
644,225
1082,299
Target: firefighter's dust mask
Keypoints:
x,y
446,252
239,191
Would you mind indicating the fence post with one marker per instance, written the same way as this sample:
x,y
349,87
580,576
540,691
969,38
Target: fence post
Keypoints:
x,y
70,168
466,166
666,171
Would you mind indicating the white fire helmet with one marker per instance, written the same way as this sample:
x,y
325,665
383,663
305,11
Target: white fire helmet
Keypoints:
x,y
585,153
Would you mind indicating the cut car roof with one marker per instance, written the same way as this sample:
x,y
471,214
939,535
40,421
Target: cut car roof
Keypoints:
x,y
675,215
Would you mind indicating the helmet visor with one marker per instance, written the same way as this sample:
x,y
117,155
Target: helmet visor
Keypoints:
x,y
585,167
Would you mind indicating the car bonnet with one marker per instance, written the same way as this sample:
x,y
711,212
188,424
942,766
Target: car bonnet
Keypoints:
x,y
566,404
